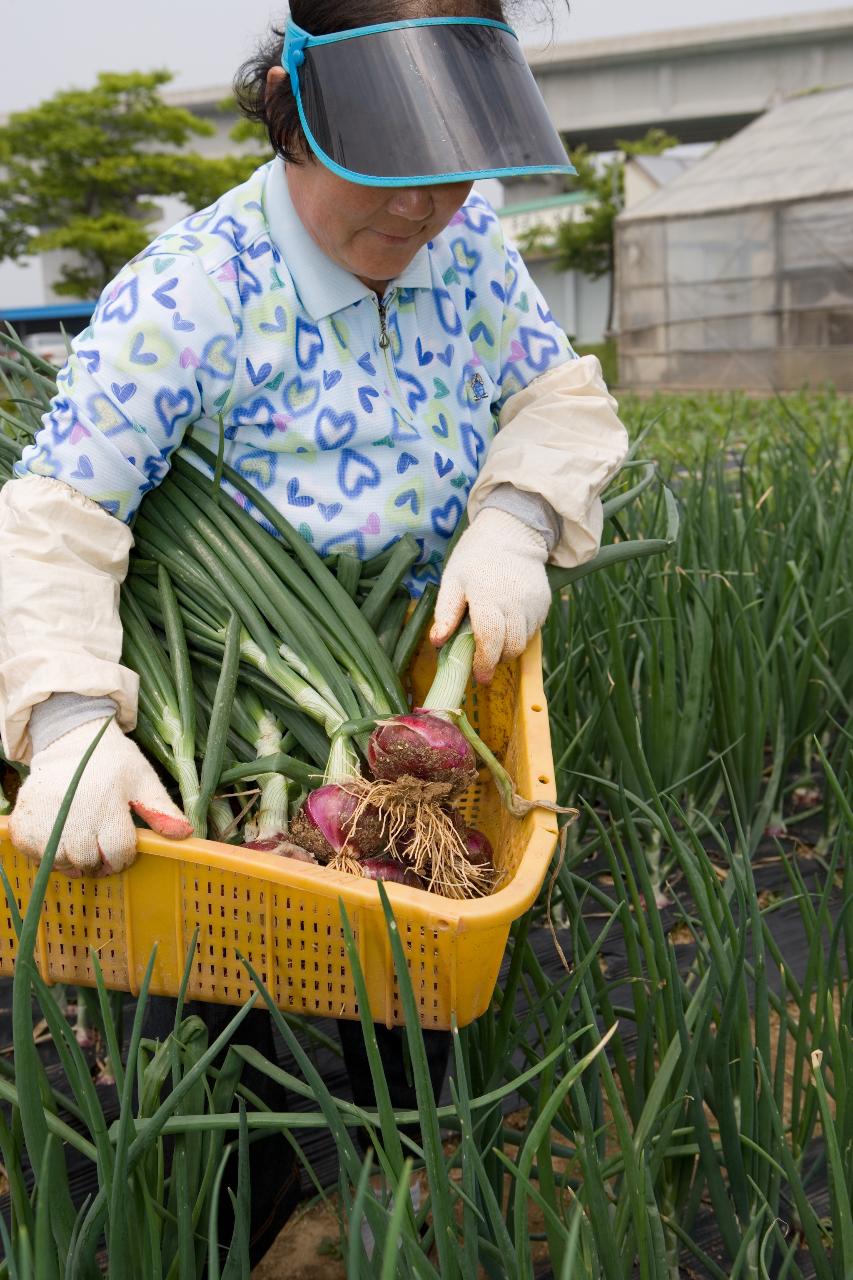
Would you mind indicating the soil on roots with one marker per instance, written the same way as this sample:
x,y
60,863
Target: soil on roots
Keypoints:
x,y
422,829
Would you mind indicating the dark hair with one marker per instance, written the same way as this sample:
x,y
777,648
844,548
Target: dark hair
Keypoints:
x,y
278,111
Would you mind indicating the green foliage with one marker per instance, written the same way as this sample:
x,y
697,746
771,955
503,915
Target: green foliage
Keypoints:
x,y
82,171
248,131
587,245
720,1083
688,698
711,673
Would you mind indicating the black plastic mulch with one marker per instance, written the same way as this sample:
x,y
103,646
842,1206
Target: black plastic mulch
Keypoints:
x,y
787,928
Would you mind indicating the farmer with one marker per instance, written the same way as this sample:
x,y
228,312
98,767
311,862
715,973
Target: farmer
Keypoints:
x,y
377,354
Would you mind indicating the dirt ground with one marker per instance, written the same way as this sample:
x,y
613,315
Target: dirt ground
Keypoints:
x,y
309,1246
307,1249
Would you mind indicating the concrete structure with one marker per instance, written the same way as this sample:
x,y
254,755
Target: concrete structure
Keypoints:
x,y
700,83
22,284
739,273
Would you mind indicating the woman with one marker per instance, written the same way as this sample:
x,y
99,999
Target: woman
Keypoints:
x,y
354,317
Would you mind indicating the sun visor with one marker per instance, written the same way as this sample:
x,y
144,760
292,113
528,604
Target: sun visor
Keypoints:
x,y
428,101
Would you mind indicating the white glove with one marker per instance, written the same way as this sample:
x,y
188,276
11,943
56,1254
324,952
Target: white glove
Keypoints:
x,y
99,836
497,570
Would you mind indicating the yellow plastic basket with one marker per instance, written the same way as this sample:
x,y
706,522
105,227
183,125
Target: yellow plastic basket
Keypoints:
x,y
284,916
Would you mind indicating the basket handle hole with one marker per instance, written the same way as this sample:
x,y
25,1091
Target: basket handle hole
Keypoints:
x,y
544,779
535,707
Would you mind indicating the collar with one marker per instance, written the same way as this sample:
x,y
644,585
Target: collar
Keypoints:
x,y
323,286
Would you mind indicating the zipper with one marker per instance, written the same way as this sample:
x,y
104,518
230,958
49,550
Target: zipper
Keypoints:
x,y
384,339
385,345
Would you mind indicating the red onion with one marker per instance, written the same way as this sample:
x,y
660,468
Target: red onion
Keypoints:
x,y
424,746
324,825
390,869
478,849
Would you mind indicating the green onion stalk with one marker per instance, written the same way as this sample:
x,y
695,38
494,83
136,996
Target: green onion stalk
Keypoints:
x,y
206,637
307,656
220,820
257,736
301,637
273,817
168,713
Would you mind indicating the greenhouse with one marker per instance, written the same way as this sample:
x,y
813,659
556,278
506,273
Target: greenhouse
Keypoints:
x,y
740,272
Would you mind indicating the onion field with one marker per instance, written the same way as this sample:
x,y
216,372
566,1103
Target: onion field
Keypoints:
x,y
661,1086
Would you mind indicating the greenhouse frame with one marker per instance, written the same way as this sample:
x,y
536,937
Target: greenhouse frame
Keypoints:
x,y
740,272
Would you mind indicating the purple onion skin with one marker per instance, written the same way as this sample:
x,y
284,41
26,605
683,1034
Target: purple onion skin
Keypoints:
x,y
329,809
324,825
421,745
390,869
478,849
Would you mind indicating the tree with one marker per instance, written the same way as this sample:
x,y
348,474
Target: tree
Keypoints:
x,y
587,245
82,171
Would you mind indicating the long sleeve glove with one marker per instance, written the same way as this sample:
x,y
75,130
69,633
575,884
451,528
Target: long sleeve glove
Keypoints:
x,y
497,572
64,559
559,438
99,836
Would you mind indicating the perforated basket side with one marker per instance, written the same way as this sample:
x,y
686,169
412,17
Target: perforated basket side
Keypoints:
x,y
78,915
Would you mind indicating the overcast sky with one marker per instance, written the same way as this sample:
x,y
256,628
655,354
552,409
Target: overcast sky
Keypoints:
x,y
47,45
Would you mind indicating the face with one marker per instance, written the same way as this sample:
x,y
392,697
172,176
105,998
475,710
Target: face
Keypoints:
x,y
373,232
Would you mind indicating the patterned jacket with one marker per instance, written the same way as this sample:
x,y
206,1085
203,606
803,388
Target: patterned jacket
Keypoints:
x,y
360,420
